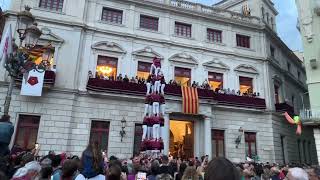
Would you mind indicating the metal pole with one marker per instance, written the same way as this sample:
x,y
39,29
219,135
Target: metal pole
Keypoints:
x,y
8,97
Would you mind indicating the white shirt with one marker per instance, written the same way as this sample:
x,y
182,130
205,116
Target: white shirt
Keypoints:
x,y
98,177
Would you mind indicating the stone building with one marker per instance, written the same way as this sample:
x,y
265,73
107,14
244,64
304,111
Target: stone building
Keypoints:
x,y
309,22
233,44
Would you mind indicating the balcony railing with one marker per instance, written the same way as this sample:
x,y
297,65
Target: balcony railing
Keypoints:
x,y
119,87
49,79
285,107
201,8
308,115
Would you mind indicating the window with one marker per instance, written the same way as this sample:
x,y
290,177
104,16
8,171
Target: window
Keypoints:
x,y
282,149
182,76
262,12
271,22
299,75
309,152
182,29
289,67
304,150
100,134
246,84
148,22
215,80
251,146
267,18
38,53
243,41
272,51
217,137
54,5
214,35
106,67
138,131
292,101
112,15
27,131
276,93
143,69
299,150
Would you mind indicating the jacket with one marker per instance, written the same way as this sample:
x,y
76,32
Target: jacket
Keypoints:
x,y
6,131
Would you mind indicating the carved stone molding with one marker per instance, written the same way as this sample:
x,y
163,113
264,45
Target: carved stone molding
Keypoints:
x,y
216,64
246,69
108,47
183,58
146,52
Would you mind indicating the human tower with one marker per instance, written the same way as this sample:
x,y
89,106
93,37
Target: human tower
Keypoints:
x,y
153,121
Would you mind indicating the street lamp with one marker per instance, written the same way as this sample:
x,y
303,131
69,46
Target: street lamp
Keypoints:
x,y
19,61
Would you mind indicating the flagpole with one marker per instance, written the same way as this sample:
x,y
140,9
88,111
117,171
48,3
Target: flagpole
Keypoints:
x,y
8,97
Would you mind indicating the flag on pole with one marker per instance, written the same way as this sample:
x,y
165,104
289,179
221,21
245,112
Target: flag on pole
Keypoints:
x,y
6,45
190,100
32,83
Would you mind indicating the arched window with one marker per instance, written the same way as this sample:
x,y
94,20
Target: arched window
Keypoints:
x,y
262,12
271,22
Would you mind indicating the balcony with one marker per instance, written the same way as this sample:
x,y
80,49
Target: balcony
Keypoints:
x,y
284,107
118,87
49,79
310,117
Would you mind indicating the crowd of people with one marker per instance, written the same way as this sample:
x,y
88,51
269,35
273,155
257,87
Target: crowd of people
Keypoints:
x,y
204,85
95,165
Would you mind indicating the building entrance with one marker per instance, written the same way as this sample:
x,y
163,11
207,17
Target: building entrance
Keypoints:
x,y
181,142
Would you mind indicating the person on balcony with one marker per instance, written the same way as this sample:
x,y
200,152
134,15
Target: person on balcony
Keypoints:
x,y
6,131
125,79
119,78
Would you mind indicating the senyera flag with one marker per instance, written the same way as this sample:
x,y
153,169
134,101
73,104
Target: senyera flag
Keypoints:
x,y
6,45
32,83
190,100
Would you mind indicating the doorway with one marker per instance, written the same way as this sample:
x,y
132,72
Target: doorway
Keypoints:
x,y
181,139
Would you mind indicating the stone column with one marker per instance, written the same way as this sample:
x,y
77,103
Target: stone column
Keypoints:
x,y
207,137
316,134
166,134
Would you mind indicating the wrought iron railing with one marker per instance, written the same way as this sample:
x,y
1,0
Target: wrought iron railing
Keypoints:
x,y
310,114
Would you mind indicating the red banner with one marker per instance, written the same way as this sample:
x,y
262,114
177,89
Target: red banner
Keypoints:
x,y
190,100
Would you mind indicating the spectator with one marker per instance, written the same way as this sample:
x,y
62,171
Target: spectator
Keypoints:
x,y
56,161
190,173
119,78
140,80
182,168
6,131
217,169
125,79
114,172
154,170
29,171
46,172
92,163
136,79
194,84
132,80
69,170
297,174
164,169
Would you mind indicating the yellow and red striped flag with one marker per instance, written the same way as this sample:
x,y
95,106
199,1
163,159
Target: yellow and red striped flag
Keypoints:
x,y
190,100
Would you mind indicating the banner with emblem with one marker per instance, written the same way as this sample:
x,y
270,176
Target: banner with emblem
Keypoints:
x,y
32,83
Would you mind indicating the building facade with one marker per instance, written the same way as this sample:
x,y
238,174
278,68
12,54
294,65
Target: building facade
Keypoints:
x,y
309,12
222,44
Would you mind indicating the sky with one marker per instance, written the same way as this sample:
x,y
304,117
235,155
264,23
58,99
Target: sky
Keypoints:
x,y
286,20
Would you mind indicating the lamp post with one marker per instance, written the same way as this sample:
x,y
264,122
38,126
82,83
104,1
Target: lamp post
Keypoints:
x,y
20,62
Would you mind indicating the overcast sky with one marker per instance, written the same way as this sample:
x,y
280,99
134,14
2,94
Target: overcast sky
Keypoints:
x,y
286,20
